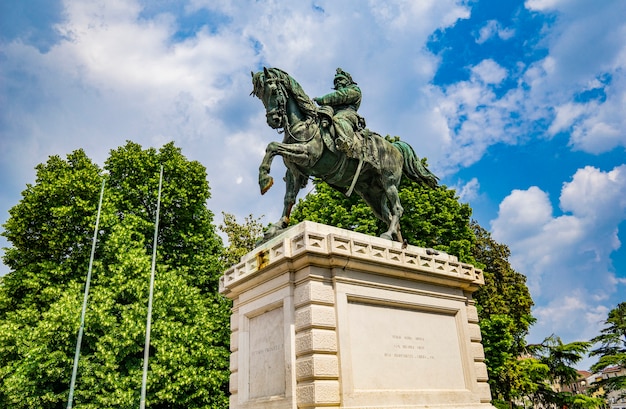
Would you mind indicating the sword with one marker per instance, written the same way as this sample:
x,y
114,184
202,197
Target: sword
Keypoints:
x,y
356,176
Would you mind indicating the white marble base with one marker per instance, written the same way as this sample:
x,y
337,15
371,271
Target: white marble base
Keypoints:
x,y
325,317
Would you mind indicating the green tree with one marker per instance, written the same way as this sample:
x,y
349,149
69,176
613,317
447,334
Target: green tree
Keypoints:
x,y
559,359
329,206
50,230
504,307
242,238
505,291
501,359
187,239
432,218
612,349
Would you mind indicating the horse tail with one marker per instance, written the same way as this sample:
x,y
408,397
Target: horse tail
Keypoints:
x,y
413,167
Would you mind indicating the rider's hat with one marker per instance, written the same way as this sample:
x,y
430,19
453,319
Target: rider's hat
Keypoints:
x,y
342,74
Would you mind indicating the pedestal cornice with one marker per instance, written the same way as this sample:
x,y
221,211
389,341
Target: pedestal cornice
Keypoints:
x,y
330,247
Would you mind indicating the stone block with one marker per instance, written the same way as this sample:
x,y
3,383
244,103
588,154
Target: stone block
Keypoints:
x,y
484,392
318,393
316,367
474,332
478,351
314,292
316,340
481,372
318,316
472,314
233,382
234,341
234,361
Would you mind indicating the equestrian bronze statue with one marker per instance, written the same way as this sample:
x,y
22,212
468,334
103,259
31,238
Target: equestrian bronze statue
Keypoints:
x,y
363,161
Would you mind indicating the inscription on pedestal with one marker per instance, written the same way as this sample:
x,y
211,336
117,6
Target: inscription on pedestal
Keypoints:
x,y
403,349
267,354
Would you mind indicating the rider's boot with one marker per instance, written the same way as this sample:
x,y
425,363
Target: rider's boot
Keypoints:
x,y
345,137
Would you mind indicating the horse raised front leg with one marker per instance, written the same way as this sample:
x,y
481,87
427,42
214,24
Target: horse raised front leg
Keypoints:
x,y
265,180
295,153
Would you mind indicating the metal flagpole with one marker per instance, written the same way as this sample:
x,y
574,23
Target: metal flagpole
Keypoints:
x,y
146,352
79,340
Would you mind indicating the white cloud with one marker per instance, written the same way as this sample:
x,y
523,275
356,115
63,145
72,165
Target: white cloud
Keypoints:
x,y
542,5
595,195
584,45
468,191
594,203
493,28
595,126
566,114
570,313
489,72
570,252
603,126
116,75
522,214
117,51
477,117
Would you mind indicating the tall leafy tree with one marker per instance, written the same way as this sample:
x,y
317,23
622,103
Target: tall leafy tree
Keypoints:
x,y
559,359
504,307
187,238
505,291
50,230
432,218
611,351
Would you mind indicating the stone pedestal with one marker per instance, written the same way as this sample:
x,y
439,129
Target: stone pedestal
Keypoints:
x,y
324,317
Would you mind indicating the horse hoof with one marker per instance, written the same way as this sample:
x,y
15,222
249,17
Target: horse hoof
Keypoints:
x,y
386,236
266,186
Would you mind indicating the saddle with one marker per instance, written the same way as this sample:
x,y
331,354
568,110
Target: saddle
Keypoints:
x,y
363,147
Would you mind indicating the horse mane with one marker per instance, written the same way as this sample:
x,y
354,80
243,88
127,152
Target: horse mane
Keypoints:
x,y
306,105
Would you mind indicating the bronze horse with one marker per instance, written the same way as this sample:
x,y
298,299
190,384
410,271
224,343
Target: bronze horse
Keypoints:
x,y
307,152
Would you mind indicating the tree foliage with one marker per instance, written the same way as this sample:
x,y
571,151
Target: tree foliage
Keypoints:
x,y
533,379
50,232
242,238
502,285
504,307
187,240
612,349
560,357
556,367
432,218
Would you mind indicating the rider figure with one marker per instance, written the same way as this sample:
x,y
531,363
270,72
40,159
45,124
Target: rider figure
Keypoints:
x,y
345,101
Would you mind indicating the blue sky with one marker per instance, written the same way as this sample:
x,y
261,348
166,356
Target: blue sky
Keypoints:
x,y
519,105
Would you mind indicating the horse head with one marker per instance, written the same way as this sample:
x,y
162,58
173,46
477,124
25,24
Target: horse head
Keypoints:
x,y
269,88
